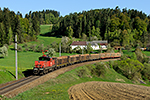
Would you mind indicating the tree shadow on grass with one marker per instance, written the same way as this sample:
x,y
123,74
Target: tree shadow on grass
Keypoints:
x,y
50,34
28,72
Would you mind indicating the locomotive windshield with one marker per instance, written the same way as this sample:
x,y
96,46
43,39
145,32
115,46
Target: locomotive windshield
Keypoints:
x,y
44,58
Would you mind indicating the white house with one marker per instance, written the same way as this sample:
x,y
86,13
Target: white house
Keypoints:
x,y
94,44
81,44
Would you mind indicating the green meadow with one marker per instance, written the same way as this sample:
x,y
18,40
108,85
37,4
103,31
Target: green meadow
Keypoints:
x,y
54,89
57,89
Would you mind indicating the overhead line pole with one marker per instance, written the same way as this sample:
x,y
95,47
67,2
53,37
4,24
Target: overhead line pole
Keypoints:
x,y
59,49
16,57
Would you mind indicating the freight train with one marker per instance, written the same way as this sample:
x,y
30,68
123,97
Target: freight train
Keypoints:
x,y
46,63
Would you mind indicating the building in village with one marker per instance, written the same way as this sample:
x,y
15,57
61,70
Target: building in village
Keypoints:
x,y
94,44
81,44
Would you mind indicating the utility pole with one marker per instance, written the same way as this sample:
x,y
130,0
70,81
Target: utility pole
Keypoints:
x,y
59,49
16,56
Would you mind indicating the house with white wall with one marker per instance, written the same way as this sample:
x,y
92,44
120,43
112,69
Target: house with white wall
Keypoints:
x,y
81,44
94,44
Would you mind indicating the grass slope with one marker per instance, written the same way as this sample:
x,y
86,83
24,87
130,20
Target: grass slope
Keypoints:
x,y
57,89
25,59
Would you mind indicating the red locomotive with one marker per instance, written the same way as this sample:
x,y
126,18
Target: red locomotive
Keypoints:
x,y
46,63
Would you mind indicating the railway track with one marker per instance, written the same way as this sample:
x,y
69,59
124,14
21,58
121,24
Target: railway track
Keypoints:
x,y
10,87
13,88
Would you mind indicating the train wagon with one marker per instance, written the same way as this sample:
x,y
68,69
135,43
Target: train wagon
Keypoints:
x,y
85,57
46,63
94,56
74,59
62,61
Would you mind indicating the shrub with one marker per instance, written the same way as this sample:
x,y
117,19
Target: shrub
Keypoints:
x,y
140,56
55,46
25,45
99,69
51,52
26,49
40,48
146,72
33,47
19,48
6,45
82,73
3,51
124,57
129,68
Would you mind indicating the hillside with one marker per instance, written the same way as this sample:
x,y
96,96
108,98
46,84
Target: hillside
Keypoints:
x,y
58,88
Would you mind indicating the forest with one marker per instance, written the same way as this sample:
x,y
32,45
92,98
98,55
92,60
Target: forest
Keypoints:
x,y
126,27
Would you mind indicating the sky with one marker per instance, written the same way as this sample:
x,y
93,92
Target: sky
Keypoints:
x,y
65,7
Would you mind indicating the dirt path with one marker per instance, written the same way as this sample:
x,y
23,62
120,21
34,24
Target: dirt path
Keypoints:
x,y
108,91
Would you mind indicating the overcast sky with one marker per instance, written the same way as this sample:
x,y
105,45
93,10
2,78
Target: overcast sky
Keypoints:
x,y
70,6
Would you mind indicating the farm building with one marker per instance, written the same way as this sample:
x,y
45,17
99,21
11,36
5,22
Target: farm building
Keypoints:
x,y
81,44
94,44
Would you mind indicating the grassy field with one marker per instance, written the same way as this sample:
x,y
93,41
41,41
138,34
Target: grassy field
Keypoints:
x,y
54,89
57,89
25,59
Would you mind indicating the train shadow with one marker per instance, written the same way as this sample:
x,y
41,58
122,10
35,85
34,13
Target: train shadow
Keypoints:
x,y
28,72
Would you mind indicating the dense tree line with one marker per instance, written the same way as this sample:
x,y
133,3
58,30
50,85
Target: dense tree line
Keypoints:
x,y
120,27
12,24
126,27
45,16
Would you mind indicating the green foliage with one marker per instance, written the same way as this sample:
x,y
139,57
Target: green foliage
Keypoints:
x,y
19,48
40,48
3,51
12,24
140,56
82,73
110,49
146,72
51,52
100,69
69,32
55,46
84,37
133,56
65,47
33,47
129,68
89,48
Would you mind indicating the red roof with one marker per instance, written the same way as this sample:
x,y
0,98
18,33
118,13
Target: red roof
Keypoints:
x,y
79,43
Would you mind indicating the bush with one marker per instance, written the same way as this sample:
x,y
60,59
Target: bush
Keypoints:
x,y
99,69
140,56
124,57
40,48
6,45
82,73
129,68
146,72
25,45
55,46
3,51
51,52
33,47
19,48
26,49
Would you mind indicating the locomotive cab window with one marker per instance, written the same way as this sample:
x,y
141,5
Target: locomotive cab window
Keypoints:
x,y
44,58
